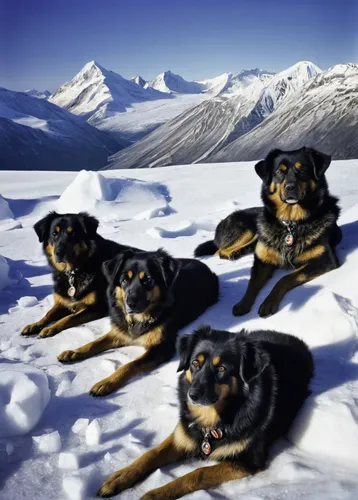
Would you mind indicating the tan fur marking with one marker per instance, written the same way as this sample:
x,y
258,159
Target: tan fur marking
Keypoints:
x,y
69,229
234,385
154,295
207,416
57,229
313,185
130,274
267,254
153,337
311,254
80,247
298,164
285,211
230,450
60,266
247,238
216,360
272,188
141,275
201,358
283,167
188,376
181,439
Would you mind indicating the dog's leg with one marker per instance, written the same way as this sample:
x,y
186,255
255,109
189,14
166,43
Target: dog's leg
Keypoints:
x,y
261,272
244,250
164,454
203,478
78,318
57,312
152,358
307,272
109,341
232,251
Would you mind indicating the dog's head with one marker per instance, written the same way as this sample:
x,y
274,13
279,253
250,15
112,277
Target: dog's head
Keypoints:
x,y
293,177
66,238
141,281
218,365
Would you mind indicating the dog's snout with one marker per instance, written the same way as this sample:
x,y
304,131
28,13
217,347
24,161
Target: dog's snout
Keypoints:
x,y
194,396
131,302
290,187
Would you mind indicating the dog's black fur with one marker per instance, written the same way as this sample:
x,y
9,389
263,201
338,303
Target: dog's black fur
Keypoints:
x,y
297,228
238,393
151,296
72,245
228,242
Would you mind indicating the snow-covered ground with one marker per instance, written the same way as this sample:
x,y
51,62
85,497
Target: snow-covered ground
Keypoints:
x,y
58,442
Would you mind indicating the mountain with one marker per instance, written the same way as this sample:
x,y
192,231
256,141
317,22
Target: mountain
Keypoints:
x,y
45,94
139,81
322,113
169,83
197,134
122,107
35,134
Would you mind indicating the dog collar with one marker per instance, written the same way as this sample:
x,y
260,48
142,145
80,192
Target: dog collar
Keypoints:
x,y
206,446
71,292
291,227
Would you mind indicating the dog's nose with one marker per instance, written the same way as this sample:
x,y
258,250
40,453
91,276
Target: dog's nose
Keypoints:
x,y
290,187
193,395
131,303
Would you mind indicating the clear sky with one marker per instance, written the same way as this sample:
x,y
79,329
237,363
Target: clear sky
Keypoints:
x,y
44,43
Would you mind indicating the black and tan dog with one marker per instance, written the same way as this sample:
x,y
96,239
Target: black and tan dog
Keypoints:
x,y
297,228
235,236
151,296
76,253
238,394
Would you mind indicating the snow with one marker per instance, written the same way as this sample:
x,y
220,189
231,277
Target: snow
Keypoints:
x,y
76,441
4,273
24,395
48,443
93,433
5,212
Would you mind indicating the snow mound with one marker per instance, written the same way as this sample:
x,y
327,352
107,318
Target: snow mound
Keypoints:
x,y
25,302
24,394
74,487
4,273
92,192
93,433
184,228
84,192
5,212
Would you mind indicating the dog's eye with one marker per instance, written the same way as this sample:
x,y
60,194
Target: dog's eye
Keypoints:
x,y
124,281
54,234
221,369
195,363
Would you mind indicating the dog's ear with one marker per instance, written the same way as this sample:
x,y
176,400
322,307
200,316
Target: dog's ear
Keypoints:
x,y
42,227
112,267
186,344
253,362
89,223
170,267
320,161
264,167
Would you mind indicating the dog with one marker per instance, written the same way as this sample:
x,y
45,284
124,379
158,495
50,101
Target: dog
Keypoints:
x,y
238,393
297,228
75,252
235,236
151,296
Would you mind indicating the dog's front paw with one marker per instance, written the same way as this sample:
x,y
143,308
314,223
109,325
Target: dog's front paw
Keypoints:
x,y
103,387
268,307
241,308
69,356
118,482
49,331
31,329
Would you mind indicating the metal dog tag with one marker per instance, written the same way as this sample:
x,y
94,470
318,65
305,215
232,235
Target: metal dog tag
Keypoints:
x,y
289,240
71,291
206,447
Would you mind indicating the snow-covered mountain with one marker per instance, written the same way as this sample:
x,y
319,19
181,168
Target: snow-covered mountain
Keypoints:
x,y
323,113
45,94
125,108
169,83
35,134
243,103
139,80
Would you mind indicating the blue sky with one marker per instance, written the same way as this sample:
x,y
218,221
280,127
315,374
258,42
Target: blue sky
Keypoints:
x,y
46,42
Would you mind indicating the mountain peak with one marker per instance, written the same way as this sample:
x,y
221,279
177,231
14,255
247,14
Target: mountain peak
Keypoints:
x,y
138,80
